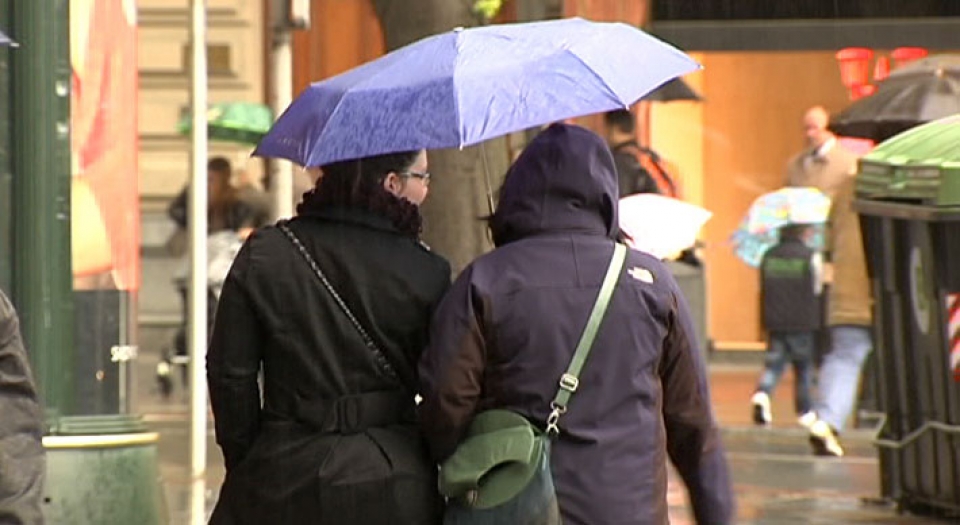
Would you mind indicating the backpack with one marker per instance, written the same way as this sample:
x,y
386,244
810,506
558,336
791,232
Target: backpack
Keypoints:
x,y
650,162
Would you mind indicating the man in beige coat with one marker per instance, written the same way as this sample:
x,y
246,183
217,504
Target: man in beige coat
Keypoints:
x,y
849,318
824,163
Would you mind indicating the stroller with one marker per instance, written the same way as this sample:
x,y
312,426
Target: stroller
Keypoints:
x,y
222,249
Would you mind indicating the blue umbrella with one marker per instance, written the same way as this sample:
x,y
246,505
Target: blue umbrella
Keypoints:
x,y
5,40
468,85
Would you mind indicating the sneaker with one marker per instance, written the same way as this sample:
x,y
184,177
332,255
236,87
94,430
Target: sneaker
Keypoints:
x,y
824,441
808,419
761,409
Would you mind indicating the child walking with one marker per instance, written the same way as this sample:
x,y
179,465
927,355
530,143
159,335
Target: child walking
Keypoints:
x,y
791,276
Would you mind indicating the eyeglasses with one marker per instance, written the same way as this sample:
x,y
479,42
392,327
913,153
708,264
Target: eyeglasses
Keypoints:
x,y
422,175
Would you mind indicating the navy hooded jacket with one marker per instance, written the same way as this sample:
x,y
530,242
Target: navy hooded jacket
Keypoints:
x,y
507,330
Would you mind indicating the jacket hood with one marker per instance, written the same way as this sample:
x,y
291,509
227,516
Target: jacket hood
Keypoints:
x,y
563,182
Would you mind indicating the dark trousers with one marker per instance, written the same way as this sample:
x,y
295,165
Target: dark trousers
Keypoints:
x,y
790,347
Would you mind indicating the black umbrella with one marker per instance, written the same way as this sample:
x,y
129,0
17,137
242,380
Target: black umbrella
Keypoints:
x,y
925,90
675,89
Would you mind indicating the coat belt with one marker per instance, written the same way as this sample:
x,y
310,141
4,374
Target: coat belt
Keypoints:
x,y
356,413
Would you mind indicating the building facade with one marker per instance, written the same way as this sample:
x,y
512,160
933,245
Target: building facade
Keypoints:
x,y
236,65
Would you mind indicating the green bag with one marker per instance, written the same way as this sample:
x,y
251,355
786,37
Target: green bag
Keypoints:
x,y
502,451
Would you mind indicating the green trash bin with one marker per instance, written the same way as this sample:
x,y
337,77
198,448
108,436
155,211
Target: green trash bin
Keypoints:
x,y
908,199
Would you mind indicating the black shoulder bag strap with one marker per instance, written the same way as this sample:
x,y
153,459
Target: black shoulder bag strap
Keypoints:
x,y
381,359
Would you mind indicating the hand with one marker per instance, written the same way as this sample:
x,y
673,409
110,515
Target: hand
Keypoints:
x,y
828,273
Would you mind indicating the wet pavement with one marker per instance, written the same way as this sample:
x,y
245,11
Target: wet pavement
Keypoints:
x,y
777,480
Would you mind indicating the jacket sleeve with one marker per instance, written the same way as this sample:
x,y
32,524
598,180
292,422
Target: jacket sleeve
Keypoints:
x,y
233,363
22,465
693,439
451,369
790,172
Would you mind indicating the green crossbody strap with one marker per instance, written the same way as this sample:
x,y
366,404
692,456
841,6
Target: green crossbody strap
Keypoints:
x,y
570,381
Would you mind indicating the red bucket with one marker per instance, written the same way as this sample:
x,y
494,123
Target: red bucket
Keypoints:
x,y
854,66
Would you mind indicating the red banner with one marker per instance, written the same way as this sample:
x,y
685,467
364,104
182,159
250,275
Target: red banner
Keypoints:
x,y
105,199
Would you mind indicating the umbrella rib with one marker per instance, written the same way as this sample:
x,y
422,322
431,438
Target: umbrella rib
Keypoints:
x,y
461,134
323,131
371,80
598,77
357,86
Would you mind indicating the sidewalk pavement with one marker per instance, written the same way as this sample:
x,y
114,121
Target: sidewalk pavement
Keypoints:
x,y
777,480
732,386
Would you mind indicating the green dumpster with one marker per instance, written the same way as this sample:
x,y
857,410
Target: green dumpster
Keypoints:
x,y
908,199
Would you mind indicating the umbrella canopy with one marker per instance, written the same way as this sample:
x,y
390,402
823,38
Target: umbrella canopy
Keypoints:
x,y
5,40
787,206
674,90
240,122
465,86
750,247
759,229
661,226
920,92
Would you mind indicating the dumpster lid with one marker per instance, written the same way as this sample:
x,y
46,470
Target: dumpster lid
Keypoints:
x,y
934,143
906,211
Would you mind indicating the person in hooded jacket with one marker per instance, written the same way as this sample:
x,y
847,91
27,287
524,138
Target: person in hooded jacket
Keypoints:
x,y
507,329
335,439
22,458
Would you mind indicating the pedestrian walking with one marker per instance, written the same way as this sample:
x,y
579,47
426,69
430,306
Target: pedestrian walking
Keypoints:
x,y
824,163
849,318
791,276
333,307
639,169
507,331
22,458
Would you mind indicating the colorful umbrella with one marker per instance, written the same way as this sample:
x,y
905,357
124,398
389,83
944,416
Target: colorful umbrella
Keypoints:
x,y
468,85
240,122
787,206
661,226
759,229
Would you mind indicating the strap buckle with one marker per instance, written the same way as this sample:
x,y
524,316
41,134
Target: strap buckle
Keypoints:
x,y
569,382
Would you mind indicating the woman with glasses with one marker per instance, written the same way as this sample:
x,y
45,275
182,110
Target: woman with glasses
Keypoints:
x,y
333,306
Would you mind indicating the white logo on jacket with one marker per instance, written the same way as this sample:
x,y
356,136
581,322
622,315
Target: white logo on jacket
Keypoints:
x,y
640,274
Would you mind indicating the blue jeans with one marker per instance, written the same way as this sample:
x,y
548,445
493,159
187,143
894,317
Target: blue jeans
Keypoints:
x,y
790,347
840,373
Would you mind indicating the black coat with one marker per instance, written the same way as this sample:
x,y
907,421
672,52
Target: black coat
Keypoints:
x,y
335,440
790,288
506,332
22,463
